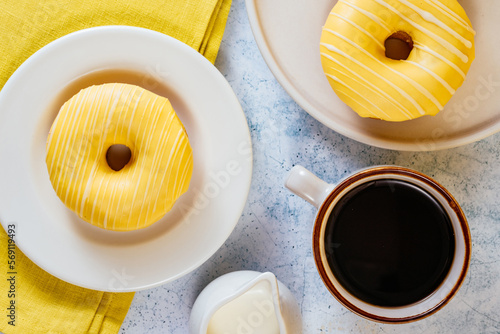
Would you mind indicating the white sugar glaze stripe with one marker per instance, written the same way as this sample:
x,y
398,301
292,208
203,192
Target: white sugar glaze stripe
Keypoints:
x,y
69,136
415,84
60,134
95,200
127,110
166,170
150,126
127,99
357,100
115,98
451,14
127,139
113,204
94,163
398,89
164,140
370,86
83,165
431,18
186,170
447,45
368,14
55,126
83,140
86,163
124,103
112,109
133,114
177,151
105,219
174,148
158,157
434,75
357,26
139,150
172,154
171,157
440,57
121,176
179,178
147,139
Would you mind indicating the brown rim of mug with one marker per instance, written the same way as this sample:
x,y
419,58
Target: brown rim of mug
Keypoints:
x,y
397,171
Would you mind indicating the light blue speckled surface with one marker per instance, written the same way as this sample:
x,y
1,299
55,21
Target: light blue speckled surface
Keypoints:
x,y
274,232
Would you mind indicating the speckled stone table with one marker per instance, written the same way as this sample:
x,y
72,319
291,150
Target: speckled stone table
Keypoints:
x,y
274,231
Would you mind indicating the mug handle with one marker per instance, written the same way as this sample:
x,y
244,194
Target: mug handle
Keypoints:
x,y
308,186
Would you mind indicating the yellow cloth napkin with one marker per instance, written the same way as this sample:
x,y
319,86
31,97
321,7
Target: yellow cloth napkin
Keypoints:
x,y
33,301
28,25
43,303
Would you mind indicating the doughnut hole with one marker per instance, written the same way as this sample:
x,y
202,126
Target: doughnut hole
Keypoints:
x,y
118,156
398,46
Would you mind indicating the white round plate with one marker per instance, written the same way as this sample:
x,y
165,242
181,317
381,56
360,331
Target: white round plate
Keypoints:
x,y
54,237
288,35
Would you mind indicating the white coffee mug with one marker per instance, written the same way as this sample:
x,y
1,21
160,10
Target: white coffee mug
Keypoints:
x,y
325,197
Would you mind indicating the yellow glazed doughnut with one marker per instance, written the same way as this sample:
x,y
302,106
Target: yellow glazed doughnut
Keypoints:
x,y
353,55
157,174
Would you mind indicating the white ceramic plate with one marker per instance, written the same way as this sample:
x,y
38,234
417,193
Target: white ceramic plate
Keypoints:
x,y
288,34
54,237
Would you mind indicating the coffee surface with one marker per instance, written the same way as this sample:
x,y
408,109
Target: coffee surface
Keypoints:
x,y
389,243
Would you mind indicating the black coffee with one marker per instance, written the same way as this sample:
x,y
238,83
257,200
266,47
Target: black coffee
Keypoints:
x,y
389,243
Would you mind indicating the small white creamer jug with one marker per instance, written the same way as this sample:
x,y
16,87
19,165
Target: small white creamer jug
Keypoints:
x,y
245,302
